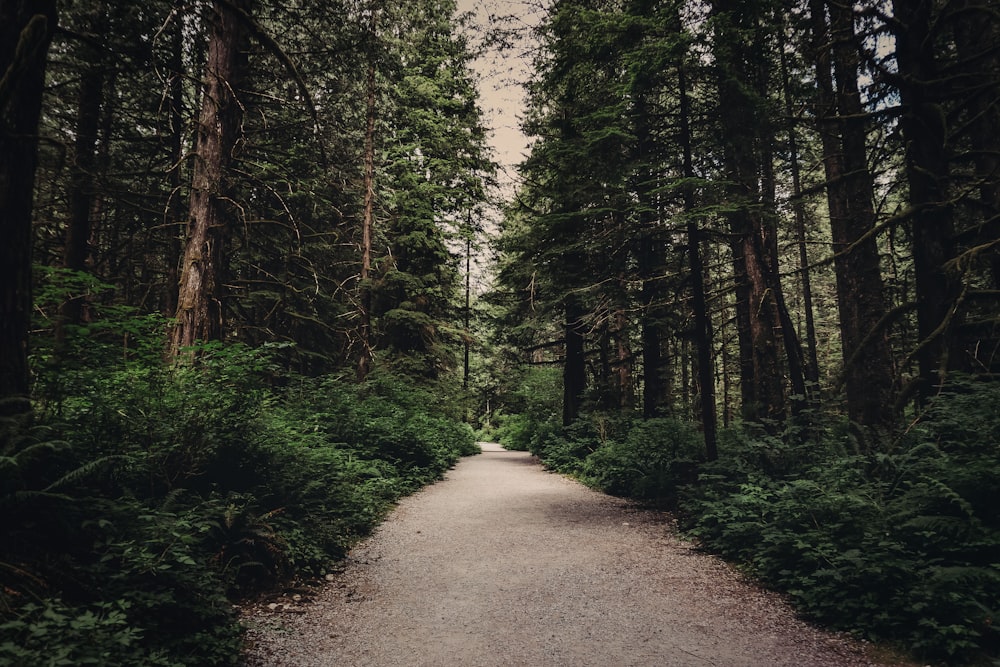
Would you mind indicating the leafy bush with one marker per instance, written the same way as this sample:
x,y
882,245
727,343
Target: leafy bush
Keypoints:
x,y
142,498
894,540
655,458
51,633
898,545
536,412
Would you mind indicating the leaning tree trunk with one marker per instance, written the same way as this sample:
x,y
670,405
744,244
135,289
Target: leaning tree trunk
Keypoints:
x,y
199,304
26,28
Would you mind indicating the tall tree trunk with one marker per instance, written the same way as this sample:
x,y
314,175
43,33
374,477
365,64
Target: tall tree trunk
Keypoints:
x,y
977,38
651,255
799,211
176,139
76,250
652,270
467,312
200,298
867,358
699,302
769,236
625,384
757,316
924,129
575,364
26,28
368,215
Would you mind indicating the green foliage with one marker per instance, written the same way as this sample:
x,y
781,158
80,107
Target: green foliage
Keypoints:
x,y
535,411
161,493
897,546
896,542
51,633
645,459
654,459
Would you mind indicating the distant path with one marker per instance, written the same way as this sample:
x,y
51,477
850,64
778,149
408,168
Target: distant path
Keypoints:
x,y
505,564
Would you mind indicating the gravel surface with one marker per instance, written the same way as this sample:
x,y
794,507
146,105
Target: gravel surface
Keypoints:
x,y
503,563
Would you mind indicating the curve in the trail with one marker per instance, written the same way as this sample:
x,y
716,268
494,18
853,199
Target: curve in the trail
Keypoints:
x,y
503,563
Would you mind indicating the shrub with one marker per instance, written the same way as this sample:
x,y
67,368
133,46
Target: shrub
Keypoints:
x,y
654,460
535,412
899,544
49,632
148,496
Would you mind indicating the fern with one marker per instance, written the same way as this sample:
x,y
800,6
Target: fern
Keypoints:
x,y
948,527
85,472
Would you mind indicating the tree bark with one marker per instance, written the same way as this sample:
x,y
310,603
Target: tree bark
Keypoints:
x,y
811,361
200,298
467,312
76,250
923,123
769,235
26,28
977,41
575,364
652,269
757,308
624,385
867,370
702,318
367,219
176,139
651,256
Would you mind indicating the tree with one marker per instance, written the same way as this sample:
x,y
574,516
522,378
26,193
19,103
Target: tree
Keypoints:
x,y
841,119
433,168
368,212
762,321
703,334
956,321
26,29
200,309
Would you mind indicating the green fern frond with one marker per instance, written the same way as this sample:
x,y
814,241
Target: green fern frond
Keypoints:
x,y
947,526
967,577
21,456
172,498
942,490
18,499
84,471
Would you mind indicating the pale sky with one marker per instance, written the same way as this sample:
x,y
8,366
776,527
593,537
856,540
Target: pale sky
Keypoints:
x,y
501,76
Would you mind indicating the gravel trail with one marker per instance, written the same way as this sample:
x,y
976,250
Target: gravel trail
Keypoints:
x,y
504,564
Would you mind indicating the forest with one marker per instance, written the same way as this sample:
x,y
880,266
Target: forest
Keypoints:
x,y
749,273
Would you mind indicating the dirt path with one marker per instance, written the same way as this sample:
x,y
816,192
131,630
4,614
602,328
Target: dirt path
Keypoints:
x,y
505,564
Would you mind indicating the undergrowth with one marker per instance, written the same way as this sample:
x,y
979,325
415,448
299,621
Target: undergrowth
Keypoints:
x,y
896,539
140,499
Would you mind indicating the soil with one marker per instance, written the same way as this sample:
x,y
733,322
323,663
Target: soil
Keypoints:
x,y
503,563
